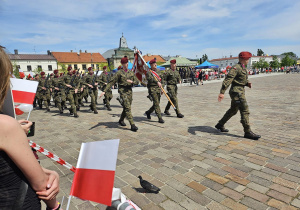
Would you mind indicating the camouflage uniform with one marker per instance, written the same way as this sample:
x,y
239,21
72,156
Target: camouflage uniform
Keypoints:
x,y
172,78
238,78
88,80
67,80
44,94
105,78
155,92
125,91
58,95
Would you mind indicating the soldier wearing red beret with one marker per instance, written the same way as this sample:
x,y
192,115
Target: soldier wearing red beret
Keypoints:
x,y
104,79
172,77
44,91
58,91
238,79
93,90
154,85
125,79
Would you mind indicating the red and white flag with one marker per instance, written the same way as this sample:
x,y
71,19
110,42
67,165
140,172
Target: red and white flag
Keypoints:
x,y
21,73
95,171
140,67
23,93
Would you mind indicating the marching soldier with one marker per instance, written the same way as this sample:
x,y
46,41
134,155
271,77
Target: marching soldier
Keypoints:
x,y
68,81
154,89
44,91
37,95
125,79
58,91
50,93
238,79
103,81
172,77
88,81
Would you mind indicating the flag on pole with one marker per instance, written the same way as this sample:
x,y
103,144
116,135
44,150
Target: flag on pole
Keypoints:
x,y
21,73
95,171
140,67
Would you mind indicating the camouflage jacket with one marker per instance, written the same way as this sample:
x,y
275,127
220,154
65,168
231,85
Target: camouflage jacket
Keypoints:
x,y
172,77
104,78
121,78
88,79
151,79
43,82
57,82
237,76
67,80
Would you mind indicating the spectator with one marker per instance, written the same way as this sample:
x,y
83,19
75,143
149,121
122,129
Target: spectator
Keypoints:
x,y
200,76
22,180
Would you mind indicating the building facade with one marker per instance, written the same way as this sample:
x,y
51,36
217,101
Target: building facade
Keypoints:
x,y
29,63
80,61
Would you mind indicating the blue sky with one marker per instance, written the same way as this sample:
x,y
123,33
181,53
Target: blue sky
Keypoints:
x,y
189,28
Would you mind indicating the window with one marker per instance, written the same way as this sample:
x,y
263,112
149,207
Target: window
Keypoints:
x,y
75,66
92,65
18,66
84,66
97,66
49,67
230,64
28,68
40,67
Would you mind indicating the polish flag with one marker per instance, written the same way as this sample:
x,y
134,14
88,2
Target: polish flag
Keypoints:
x,y
23,90
21,73
95,171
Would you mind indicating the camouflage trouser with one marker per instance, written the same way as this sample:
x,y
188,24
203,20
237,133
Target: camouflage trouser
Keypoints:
x,y
57,97
85,93
93,99
108,96
70,98
126,97
44,97
172,93
155,93
96,95
238,102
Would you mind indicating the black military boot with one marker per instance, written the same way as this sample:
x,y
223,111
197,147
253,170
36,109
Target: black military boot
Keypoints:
x,y
77,108
71,111
160,120
133,128
167,112
122,123
221,128
148,115
76,115
251,135
61,111
48,109
95,111
180,115
108,108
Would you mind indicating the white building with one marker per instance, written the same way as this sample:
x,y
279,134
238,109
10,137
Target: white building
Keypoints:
x,y
31,62
231,61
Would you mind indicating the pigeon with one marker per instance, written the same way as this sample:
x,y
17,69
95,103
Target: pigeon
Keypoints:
x,y
148,186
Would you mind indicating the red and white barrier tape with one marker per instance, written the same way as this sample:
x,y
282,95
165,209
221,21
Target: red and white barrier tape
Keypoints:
x,y
51,156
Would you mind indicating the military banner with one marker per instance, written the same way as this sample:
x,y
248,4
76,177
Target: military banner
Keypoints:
x,y
140,67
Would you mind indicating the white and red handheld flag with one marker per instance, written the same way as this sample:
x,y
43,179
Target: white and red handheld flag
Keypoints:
x,y
21,73
23,92
95,171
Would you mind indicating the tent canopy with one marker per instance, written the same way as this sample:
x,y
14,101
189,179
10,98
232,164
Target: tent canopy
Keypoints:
x,y
206,65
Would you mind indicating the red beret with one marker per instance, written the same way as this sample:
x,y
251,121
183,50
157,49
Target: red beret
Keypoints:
x,y
55,71
119,67
152,61
42,73
173,61
124,60
90,68
74,72
245,55
36,75
104,67
69,68
61,74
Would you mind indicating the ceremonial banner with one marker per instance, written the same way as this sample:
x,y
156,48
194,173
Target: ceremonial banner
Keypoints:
x,y
140,67
95,171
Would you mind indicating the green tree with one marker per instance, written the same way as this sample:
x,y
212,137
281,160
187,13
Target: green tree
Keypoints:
x,y
291,54
63,68
260,52
275,63
287,61
15,69
261,64
204,58
38,70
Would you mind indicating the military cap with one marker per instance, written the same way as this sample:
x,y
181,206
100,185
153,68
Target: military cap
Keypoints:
x,y
173,61
104,67
90,68
61,74
55,71
69,68
42,73
51,74
152,61
245,55
124,60
119,67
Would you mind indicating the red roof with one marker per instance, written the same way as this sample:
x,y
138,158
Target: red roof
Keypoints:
x,y
150,57
73,57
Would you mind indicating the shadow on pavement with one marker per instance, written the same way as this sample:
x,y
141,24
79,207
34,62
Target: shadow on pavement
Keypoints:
x,y
208,129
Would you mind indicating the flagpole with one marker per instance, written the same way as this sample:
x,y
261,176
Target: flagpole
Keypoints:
x,y
28,115
69,201
164,91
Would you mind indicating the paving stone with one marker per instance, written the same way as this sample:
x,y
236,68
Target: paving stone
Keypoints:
x,y
198,198
196,186
253,204
235,171
216,206
285,183
212,184
172,194
168,204
237,179
190,204
284,190
279,196
214,195
217,178
256,195
296,202
233,205
231,193
257,187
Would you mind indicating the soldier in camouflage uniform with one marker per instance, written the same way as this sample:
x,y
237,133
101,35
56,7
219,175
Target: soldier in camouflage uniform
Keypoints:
x,y
154,90
88,81
238,78
77,83
103,80
57,90
44,90
172,77
37,95
50,94
68,81
125,79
